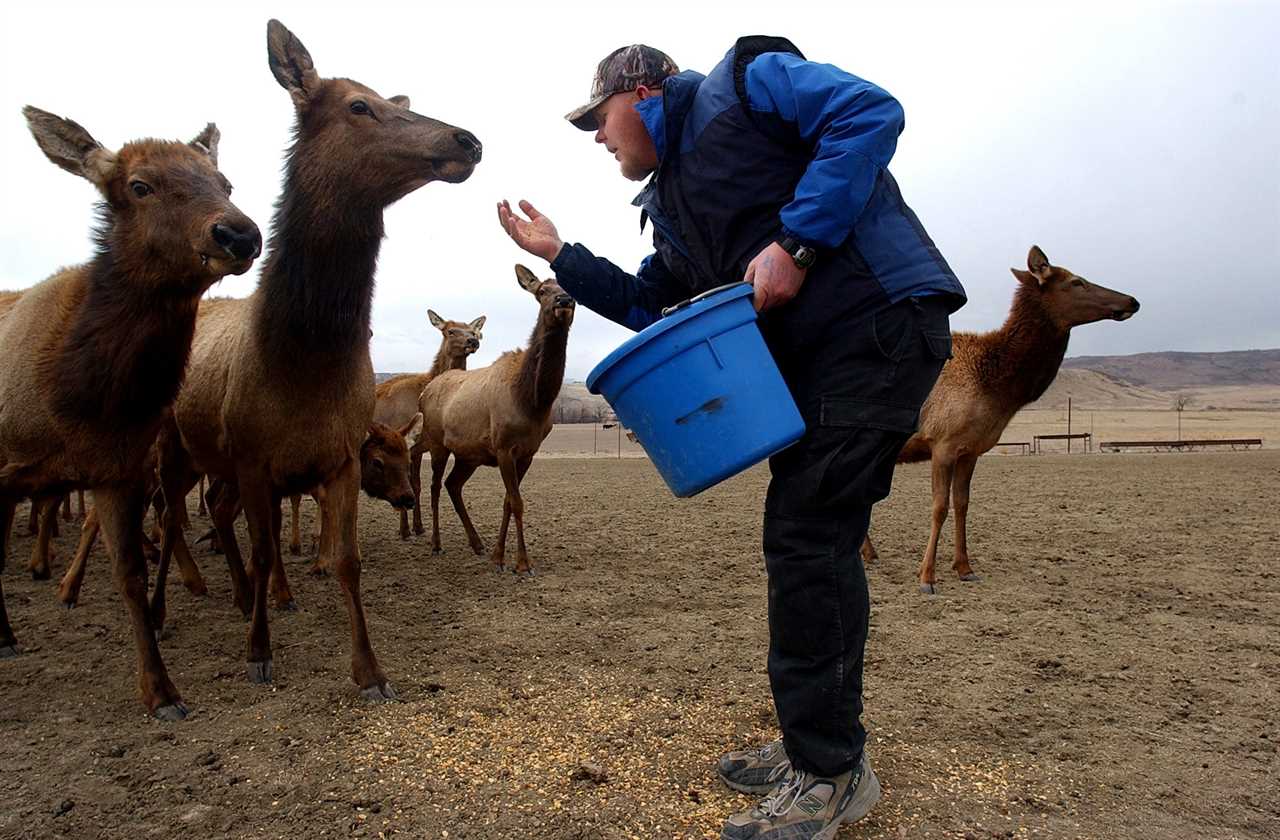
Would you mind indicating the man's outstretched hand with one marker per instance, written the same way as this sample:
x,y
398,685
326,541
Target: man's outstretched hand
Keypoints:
x,y
776,277
537,235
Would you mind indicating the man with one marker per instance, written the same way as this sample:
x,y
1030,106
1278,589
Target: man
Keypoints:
x,y
772,169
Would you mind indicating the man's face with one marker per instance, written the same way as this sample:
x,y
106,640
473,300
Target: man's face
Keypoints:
x,y
623,133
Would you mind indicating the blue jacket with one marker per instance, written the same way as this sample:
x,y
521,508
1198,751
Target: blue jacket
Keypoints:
x,y
769,144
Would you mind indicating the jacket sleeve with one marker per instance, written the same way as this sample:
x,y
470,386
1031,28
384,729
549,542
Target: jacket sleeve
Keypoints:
x,y
853,127
634,301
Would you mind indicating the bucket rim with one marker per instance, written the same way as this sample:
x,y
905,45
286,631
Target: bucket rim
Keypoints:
x,y
678,315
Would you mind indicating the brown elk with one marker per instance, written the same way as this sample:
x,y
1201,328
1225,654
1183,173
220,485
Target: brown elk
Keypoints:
x,y
498,416
279,394
91,359
988,379
384,474
398,398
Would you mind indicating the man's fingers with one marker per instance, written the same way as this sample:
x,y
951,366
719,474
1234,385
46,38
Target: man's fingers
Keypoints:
x,y
530,210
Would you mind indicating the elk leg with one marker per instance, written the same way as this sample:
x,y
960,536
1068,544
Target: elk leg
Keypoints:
x,y
438,459
47,510
324,563
942,473
210,497
8,644
960,501
120,509
33,518
458,476
262,513
868,551
200,508
498,557
523,566
66,507
340,510
69,589
295,535
177,487
223,509
281,595
80,504
415,484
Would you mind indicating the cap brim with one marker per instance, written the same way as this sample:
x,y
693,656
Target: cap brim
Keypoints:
x,y
584,118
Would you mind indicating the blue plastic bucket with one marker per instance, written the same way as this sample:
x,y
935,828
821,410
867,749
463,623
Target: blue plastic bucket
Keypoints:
x,y
700,391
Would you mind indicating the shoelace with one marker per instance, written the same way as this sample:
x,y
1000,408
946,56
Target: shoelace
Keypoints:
x,y
784,796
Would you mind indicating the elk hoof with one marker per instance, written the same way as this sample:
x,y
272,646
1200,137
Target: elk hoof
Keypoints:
x,y
524,573
9,651
172,713
260,672
972,577
317,570
928,589
39,574
419,530
382,693
437,550
287,606
296,550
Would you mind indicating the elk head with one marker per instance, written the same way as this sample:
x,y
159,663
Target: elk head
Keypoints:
x,y
460,340
1069,299
377,148
168,213
384,462
555,305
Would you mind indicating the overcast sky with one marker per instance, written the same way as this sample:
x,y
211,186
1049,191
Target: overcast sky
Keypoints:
x,y
1138,144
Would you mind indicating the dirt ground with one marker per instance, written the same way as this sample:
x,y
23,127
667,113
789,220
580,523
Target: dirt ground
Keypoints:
x,y
1114,675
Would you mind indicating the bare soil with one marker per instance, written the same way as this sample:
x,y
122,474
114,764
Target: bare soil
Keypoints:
x,y
1114,675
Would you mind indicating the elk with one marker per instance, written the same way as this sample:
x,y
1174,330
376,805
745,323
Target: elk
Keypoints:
x,y
988,379
279,394
384,474
498,416
92,358
397,399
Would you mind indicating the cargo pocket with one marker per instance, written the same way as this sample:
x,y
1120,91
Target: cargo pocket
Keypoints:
x,y
850,412
860,470
939,344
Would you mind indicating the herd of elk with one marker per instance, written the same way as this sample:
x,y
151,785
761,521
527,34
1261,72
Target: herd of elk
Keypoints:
x,y
987,380
115,375
498,416
399,398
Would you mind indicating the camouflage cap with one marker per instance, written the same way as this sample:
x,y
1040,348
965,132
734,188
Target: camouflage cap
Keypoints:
x,y
624,69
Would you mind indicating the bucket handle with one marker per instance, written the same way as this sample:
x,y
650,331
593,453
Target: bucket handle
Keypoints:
x,y
674,308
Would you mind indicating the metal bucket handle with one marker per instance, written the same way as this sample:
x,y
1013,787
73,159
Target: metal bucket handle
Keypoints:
x,y
674,308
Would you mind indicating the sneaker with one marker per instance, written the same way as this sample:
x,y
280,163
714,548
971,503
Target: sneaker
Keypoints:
x,y
807,807
755,771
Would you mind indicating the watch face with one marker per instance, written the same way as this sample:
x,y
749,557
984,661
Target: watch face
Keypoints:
x,y
804,256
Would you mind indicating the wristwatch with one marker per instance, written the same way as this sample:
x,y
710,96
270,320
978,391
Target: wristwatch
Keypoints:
x,y
802,254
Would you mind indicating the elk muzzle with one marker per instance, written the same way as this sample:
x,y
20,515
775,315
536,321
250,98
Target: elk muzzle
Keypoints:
x,y
240,241
1128,311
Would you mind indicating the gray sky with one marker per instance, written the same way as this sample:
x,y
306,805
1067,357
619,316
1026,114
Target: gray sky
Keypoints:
x,y
1136,143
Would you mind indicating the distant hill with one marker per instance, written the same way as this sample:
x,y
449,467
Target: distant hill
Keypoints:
x,y
1172,371
1234,379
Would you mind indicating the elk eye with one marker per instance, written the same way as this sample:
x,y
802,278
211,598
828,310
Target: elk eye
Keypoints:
x,y
359,107
1077,282
377,462
140,189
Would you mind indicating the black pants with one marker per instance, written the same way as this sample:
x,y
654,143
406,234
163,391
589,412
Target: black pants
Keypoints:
x,y
860,394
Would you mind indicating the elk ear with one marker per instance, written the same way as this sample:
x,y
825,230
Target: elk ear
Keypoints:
x,y
527,279
1038,263
436,320
207,142
66,143
399,99
477,323
1026,278
412,431
291,64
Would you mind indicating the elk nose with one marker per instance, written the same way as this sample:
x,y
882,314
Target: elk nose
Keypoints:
x,y
564,301
244,244
470,144
1133,304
